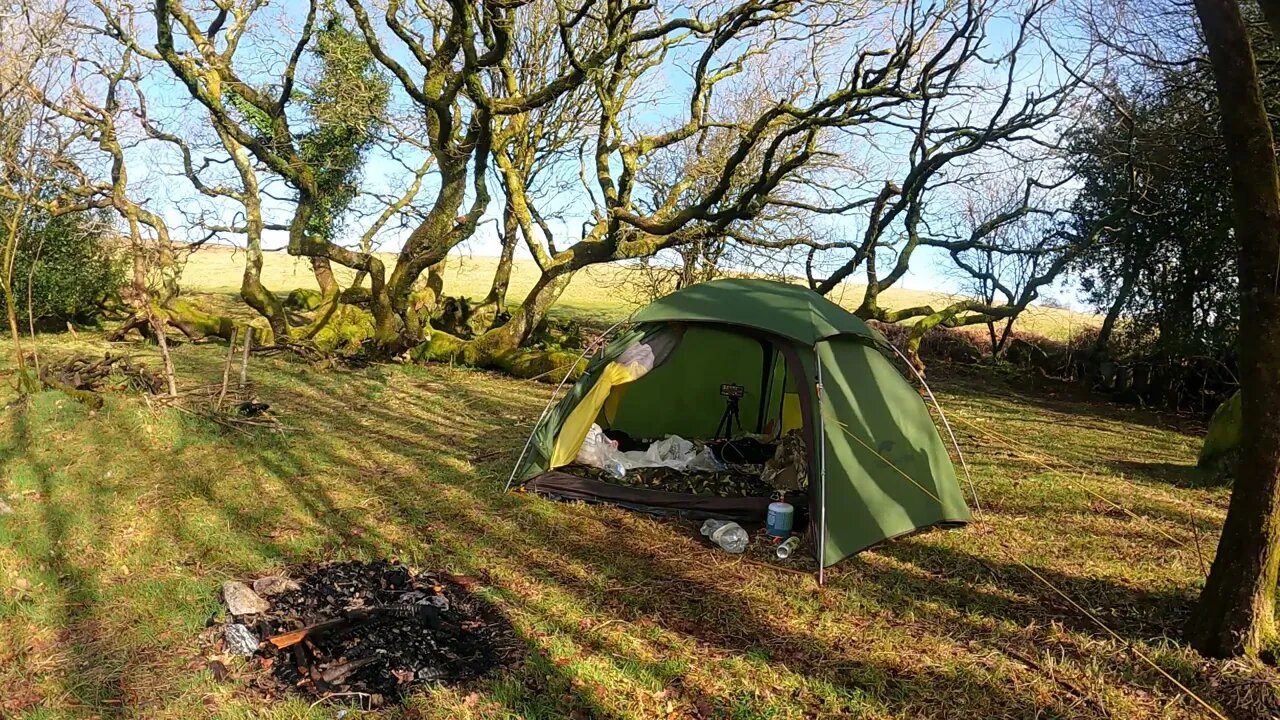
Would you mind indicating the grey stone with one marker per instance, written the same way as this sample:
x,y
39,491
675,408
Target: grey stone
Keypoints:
x,y
273,585
241,600
4,508
240,641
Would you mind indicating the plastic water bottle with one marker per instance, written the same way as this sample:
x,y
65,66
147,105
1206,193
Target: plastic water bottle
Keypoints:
x,y
727,534
615,469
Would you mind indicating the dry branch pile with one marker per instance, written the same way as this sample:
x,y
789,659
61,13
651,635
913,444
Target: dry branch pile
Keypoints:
x,y
111,373
85,378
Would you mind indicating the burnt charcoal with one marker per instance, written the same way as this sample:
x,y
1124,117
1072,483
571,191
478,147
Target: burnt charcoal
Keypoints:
x,y
252,409
379,628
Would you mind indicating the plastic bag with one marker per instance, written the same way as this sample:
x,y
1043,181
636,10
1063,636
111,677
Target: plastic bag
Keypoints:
x,y
672,451
596,449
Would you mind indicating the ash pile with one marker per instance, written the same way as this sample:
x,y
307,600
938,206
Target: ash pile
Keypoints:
x,y
369,631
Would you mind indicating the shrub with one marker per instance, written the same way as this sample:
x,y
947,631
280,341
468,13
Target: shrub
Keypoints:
x,y
76,268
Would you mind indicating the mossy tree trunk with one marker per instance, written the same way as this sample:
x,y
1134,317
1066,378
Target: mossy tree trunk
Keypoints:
x,y
497,296
12,237
1236,611
494,347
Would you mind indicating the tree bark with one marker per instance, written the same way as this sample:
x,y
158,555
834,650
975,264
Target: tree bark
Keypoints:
x,y
512,334
495,346
26,382
502,275
1236,611
1127,286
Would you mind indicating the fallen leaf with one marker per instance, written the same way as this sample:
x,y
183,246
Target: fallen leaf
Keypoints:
x,y
467,582
219,670
22,584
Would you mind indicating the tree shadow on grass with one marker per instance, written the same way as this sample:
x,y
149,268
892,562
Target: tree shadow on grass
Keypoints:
x,y
586,556
70,586
1183,475
1009,591
979,384
596,591
679,597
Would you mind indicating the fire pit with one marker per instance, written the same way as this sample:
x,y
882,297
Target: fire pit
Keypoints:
x,y
370,631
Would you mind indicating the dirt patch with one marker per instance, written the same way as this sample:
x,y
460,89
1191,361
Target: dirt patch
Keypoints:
x,y
374,631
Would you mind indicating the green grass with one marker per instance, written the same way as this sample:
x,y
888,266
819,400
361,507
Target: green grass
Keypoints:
x,y
126,520
604,292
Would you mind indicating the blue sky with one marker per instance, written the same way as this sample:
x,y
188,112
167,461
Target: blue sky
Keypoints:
x,y
158,175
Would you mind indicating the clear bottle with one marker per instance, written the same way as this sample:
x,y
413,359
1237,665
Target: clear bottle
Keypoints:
x,y
727,534
615,469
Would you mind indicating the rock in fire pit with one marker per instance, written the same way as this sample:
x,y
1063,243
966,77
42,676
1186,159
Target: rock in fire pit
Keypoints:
x,y
373,631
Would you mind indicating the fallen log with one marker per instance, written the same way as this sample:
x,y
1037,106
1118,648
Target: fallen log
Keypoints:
x,y
88,398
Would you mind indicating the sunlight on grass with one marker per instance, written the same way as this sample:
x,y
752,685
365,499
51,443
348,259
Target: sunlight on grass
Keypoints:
x,y
126,521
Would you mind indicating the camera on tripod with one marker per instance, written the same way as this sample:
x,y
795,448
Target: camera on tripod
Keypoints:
x,y
730,390
731,393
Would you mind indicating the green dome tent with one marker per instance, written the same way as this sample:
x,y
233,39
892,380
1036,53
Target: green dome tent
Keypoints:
x,y
878,466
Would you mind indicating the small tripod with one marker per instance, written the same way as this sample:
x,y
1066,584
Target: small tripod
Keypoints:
x,y
730,418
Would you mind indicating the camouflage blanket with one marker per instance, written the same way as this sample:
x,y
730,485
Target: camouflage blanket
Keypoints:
x,y
729,483
788,470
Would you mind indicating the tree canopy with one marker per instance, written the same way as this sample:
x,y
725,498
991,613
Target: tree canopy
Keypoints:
x,y
831,140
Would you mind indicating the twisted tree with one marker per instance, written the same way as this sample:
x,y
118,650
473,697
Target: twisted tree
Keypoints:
x,y
740,132
791,112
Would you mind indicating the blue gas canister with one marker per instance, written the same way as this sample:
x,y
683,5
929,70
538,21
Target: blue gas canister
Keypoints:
x,y
778,522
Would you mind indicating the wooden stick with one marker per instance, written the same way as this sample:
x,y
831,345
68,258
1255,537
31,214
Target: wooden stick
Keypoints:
x,y
353,617
226,368
338,673
290,639
244,358
163,342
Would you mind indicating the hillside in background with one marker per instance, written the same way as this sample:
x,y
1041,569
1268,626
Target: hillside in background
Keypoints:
x,y
601,291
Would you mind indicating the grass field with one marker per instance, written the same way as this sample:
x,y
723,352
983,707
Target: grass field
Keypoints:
x,y
594,292
126,520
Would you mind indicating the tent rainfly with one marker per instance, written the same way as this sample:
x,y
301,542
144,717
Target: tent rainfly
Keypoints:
x,y
877,464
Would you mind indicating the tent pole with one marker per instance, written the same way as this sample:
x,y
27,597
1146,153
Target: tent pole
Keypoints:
x,y
945,423
552,399
822,476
